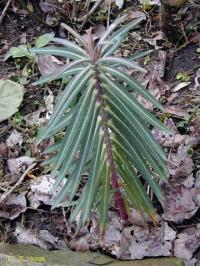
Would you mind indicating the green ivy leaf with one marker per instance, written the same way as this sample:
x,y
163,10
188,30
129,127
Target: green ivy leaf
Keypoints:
x,y
11,96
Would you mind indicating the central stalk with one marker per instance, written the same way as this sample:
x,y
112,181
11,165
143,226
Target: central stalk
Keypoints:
x,y
114,176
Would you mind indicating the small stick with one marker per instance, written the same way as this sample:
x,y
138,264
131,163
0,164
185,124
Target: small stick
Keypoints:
x,y
92,10
109,9
6,194
4,11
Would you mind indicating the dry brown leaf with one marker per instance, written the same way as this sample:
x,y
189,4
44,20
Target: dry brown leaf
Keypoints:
x,y
180,86
16,165
28,236
187,242
15,138
174,139
150,243
13,206
47,64
3,150
177,111
180,163
179,203
41,191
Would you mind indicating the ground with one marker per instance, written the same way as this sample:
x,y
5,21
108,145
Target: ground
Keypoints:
x,y
173,78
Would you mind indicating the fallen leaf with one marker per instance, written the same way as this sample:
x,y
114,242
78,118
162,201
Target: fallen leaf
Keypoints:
x,y
28,236
174,139
157,41
15,138
179,203
197,79
180,86
55,241
3,150
46,6
16,165
47,64
177,111
150,243
41,191
13,206
119,3
180,163
197,189
34,118
80,243
187,242
150,2
96,32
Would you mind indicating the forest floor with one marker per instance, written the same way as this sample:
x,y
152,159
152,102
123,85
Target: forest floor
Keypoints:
x,y
173,78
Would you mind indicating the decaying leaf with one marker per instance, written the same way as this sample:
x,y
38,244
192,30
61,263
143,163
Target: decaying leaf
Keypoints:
x,y
34,117
28,236
174,139
187,242
11,96
13,206
180,163
197,189
55,241
47,64
154,243
179,203
3,150
16,165
41,191
15,138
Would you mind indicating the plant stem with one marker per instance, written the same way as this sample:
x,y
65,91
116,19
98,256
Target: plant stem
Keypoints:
x,y
114,176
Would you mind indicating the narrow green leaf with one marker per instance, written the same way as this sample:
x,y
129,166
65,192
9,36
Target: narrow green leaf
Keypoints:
x,y
110,29
93,182
133,85
114,59
81,202
132,103
119,35
136,123
138,163
133,186
48,78
70,45
58,51
74,180
68,95
72,140
105,196
114,45
134,141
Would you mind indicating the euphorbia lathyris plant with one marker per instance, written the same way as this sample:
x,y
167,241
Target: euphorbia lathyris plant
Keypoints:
x,y
106,134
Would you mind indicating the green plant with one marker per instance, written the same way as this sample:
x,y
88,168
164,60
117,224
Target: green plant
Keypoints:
x,y
183,76
105,129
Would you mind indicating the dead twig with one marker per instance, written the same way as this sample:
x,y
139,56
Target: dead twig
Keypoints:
x,y
7,193
4,11
92,10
